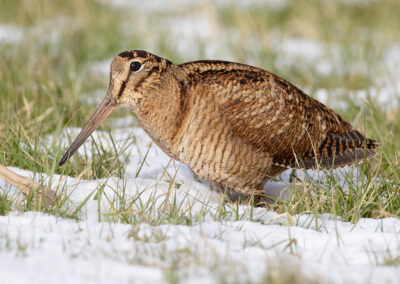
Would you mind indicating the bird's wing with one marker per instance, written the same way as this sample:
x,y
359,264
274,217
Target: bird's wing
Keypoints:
x,y
280,119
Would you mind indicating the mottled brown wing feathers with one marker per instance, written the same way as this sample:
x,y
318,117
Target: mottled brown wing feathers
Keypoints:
x,y
278,118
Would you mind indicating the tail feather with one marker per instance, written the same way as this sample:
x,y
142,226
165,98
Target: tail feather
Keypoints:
x,y
337,150
336,143
346,158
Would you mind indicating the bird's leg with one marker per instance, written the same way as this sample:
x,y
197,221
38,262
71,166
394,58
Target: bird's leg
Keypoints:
x,y
232,196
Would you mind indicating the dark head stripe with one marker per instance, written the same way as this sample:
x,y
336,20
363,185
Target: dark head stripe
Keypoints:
x,y
141,53
158,58
126,54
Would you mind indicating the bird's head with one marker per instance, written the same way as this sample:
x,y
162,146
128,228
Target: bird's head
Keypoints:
x,y
132,75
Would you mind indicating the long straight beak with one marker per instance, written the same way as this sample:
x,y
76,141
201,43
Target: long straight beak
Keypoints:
x,y
104,109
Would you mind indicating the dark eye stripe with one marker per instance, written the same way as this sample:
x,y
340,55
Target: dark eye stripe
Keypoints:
x,y
121,90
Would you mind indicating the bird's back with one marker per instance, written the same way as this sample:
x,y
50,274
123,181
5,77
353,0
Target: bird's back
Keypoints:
x,y
276,117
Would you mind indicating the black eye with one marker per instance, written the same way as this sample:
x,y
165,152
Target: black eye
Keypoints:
x,y
135,66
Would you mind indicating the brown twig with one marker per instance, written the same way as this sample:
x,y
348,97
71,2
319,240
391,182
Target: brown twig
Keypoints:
x,y
27,185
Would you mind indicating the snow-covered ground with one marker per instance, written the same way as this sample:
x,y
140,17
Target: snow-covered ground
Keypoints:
x,y
247,244
40,248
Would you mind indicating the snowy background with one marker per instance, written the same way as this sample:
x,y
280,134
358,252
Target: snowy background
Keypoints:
x,y
250,244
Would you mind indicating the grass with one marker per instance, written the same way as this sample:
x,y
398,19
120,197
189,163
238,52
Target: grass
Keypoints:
x,y
42,82
45,77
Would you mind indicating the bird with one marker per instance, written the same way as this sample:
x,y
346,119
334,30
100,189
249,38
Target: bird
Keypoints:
x,y
233,124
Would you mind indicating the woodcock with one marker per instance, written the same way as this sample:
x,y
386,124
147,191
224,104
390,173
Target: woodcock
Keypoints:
x,y
233,124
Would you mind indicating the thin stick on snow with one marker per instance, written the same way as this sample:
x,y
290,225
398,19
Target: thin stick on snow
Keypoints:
x,y
26,185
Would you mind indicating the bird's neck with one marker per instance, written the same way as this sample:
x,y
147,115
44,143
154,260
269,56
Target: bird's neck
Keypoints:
x,y
161,111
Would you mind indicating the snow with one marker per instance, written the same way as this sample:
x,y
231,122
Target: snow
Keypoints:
x,y
50,31
385,91
391,63
37,247
174,5
9,33
52,250
98,249
386,97
47,247
305,51
101,69
359,2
